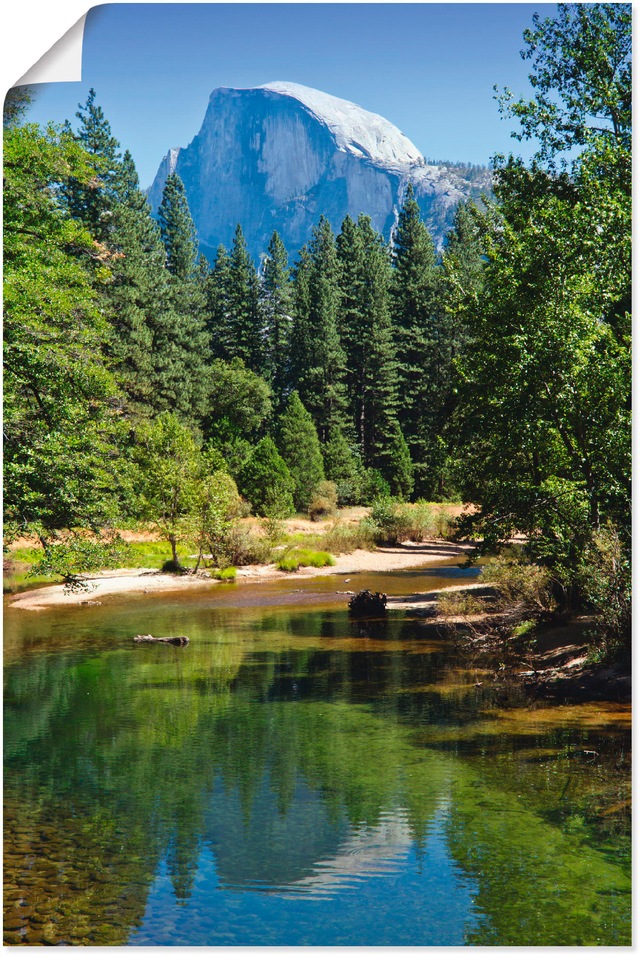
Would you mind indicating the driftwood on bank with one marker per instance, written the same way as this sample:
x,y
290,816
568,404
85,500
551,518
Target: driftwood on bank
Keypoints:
x,y
172,640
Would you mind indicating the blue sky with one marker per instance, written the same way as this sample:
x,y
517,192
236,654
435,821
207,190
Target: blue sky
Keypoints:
x,y
427,67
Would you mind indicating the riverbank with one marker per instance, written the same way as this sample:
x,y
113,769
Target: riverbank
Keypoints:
x,y
147,580
554,661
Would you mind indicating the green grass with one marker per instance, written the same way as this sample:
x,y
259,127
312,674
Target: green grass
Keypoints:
x,y
297,557
18,563
225,574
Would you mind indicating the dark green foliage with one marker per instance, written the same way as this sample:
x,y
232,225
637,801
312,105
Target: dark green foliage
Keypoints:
x,y
177,229
398,468
92,201
276,303
545,415
60,432
236,318
367,339
343,465
318,360
267,482
239,402
421,345
300,448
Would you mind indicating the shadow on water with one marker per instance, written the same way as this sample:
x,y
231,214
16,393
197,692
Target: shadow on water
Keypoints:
x,y
287,779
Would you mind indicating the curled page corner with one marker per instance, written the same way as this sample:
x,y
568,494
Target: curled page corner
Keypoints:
x,y
62,63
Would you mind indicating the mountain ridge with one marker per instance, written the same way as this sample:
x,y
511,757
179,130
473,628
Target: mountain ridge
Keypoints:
x,y
278,156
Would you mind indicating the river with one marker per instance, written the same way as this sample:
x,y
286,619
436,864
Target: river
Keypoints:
x,y
287,780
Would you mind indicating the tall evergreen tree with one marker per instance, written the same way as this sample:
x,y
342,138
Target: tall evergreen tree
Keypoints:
x,y
416,291
318,358
245,327
365,329
298,445
177,229
182,344
276,304
92,202
217,310
343,465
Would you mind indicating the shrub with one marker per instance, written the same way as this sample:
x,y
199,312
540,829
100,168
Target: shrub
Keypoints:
x,y
519,583
226,574
416,522
275,530
392,523
604,577
459,604
343,539
241,546
324,501
297,557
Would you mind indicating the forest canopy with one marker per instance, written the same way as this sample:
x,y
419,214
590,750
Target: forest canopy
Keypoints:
x,y
496,370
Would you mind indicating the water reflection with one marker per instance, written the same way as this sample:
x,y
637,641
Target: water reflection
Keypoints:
x,y
285,781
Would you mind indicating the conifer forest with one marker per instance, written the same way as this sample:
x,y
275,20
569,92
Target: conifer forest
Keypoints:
x,y
144,383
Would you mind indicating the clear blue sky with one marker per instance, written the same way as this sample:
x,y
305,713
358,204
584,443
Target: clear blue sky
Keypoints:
x,y
427,67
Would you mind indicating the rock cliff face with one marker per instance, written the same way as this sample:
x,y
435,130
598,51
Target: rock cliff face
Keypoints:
x,y
281,155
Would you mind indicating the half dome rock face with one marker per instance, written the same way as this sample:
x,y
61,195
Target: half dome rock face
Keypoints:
x,y
279,156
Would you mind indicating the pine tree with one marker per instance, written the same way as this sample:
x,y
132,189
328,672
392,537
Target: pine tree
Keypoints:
x,y
181,341
343,465
217,310
137,297
267,482
365,325
245,335
92,203
276,305
177,229
318,358
397,467
298,445
416,291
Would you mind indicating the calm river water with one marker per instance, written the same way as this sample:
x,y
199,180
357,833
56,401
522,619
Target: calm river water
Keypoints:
x,y
284,780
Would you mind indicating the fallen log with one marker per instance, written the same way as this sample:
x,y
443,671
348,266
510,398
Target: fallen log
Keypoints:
x,y
173,640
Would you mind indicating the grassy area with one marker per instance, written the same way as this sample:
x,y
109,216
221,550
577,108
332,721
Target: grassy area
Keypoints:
x,y
253,541
292,560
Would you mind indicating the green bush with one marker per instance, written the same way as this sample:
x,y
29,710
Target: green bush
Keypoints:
x,y
519,583
604,578
241,546
292,560
226,574
267,482
324,501
392,523
342,539
459,604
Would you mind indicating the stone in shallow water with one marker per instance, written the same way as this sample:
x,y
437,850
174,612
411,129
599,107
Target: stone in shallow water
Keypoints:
x,y
12,937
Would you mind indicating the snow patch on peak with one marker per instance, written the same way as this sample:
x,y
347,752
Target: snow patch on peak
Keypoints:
x,y
356,131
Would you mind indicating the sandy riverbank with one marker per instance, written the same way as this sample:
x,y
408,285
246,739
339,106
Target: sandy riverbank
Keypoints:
x,y
122,581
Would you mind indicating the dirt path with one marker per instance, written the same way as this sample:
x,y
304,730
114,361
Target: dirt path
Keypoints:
x,y
122,581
